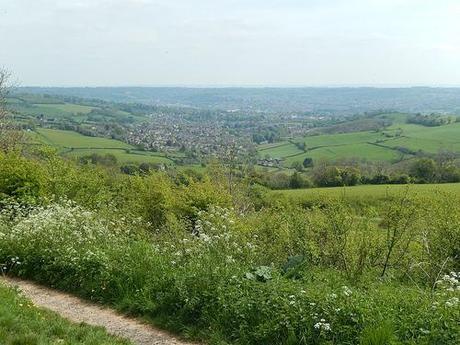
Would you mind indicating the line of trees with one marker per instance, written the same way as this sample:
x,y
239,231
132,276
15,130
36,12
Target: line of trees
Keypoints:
x,y
432,120
443,168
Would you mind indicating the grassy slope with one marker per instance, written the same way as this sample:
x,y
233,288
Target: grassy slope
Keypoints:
x,y
363,144
75,144
360,150
69,139
69,108
365,195
22,323
430,139
48,110
284,150
123,156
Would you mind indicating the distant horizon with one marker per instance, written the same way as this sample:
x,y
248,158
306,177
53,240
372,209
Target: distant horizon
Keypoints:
x,y
254,86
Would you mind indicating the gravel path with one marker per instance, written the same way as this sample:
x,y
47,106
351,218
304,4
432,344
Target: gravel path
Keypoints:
x,y
77,310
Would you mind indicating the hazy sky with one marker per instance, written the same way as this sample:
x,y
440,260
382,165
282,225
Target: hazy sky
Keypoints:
x,y
231,42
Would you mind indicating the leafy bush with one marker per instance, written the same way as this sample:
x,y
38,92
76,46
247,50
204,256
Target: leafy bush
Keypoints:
x,y
20,178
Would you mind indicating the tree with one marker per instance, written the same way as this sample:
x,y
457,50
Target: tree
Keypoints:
x,y
299,181
424,170
328,176
350,176
308,162
9,136
297,166
4,78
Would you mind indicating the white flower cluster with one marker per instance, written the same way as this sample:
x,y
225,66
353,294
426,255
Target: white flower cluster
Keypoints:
x,y
450,282
216,220
61,232
449,289
322,325
215,227
9,265
452,302
346,291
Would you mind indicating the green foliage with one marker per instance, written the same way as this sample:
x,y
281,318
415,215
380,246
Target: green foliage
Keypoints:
x,y
432,120
193,255
380,335
330,176
424,170
299,181
20,178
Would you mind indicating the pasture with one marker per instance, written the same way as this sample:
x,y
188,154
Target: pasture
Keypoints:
x,y
383,145
73,144
69,108
70,139
365,194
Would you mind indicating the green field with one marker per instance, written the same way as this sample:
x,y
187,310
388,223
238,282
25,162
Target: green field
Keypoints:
x,y
366,194
369,145
285,149
360,150
74,144
69,139
123,156
47,110
68,108
54,110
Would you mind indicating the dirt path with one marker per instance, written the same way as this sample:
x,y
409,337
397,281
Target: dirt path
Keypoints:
x,y
77,310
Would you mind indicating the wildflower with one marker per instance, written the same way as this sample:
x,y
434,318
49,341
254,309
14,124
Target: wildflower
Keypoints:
x,y
323,325
346,291
452,302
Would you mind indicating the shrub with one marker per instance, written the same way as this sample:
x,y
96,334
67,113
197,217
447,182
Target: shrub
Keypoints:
x,y
20,178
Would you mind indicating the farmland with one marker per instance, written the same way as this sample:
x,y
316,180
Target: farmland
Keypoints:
x,y
386,137
74,144
68,108
393,143
364,195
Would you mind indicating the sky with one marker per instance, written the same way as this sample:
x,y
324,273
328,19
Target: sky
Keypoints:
x,y
231,42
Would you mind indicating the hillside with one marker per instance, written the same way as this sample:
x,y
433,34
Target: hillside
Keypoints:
x,y
399,141
73,144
